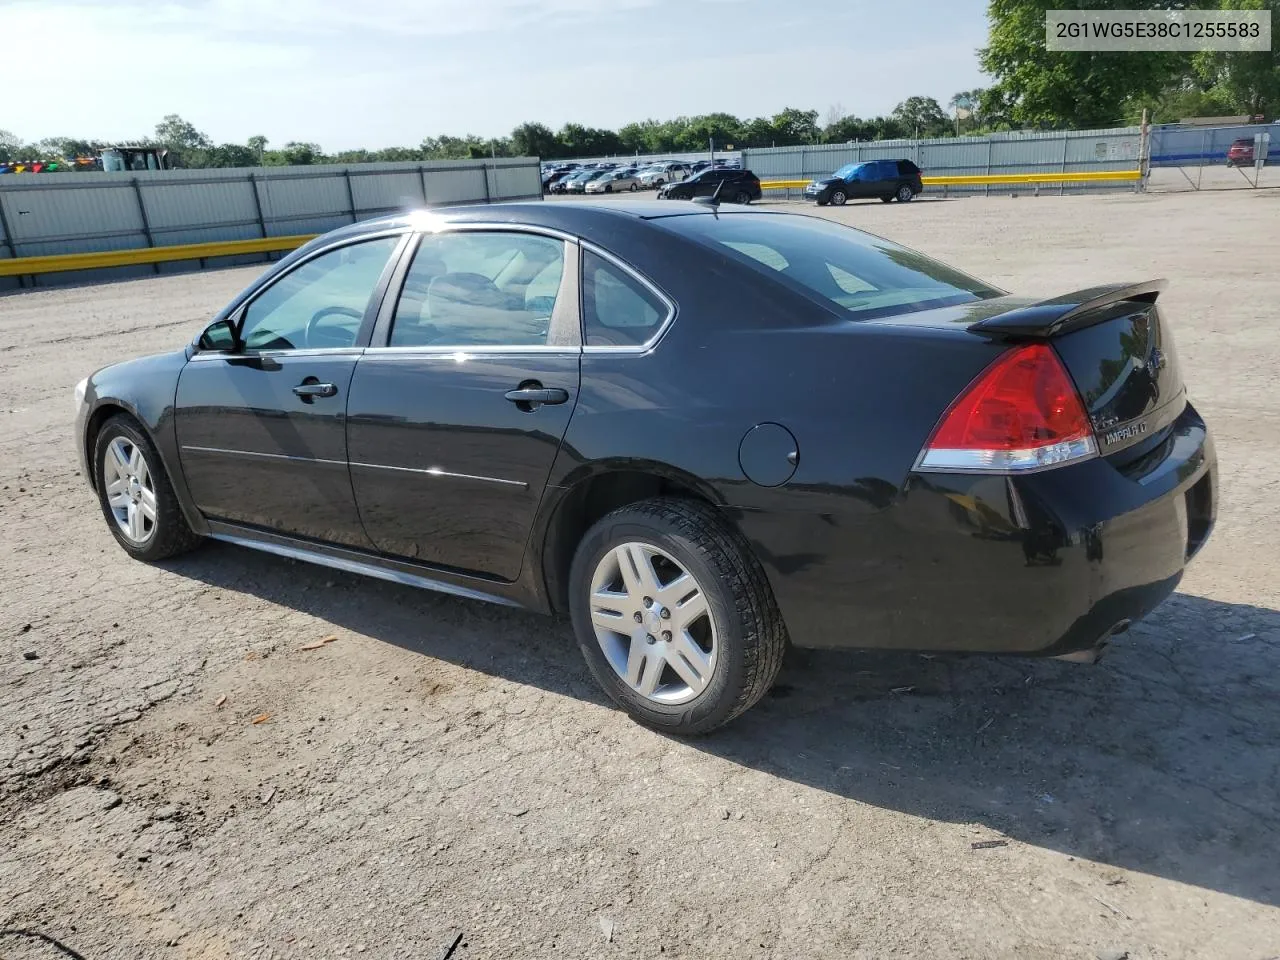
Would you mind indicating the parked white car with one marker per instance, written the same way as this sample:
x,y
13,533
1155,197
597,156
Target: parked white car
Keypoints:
x,y
661,173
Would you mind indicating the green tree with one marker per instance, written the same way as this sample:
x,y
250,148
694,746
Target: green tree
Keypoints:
x,y
230,155
1039,88
179,134
534,140
258,144
11,146
793,126
922,117
1247,82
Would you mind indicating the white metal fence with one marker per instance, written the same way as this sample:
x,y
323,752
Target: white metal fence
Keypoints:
x,y
42,214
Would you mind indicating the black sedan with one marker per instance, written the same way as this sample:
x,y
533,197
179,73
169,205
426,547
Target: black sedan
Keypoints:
x,y
883,179
733,186
703,434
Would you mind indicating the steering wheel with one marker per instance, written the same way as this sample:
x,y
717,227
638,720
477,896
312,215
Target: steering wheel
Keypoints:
x,y
316,336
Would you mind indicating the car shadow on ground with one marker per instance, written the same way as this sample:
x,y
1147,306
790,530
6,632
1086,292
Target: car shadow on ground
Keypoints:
x,y
1164,759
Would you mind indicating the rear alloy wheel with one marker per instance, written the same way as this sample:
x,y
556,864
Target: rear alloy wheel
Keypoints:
x,y
742,197
633,188
137,499
838,197
674,615
905,193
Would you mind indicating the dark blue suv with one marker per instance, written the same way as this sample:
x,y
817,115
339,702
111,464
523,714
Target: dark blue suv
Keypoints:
x,y
887,179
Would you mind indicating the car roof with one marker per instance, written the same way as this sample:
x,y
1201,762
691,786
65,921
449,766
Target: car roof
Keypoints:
x,y
583,217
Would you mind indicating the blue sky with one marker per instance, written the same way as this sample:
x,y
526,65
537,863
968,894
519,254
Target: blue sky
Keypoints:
x,y
373,73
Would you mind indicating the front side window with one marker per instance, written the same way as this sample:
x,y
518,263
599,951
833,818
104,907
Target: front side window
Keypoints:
x,y
617,309
849,169
862,276
473,288
319,304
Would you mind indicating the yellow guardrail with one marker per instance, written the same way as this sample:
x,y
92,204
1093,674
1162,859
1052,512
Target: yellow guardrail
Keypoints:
x,y
58,263
992,179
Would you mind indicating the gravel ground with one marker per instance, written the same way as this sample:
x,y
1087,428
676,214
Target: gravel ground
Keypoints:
x,y
446,770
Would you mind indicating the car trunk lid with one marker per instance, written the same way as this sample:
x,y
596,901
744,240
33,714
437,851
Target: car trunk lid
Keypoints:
x,y
1118,351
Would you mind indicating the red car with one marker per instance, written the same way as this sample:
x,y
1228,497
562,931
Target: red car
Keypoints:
x,y
1240,153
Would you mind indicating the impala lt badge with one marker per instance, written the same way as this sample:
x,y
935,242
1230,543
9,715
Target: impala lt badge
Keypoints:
x,y
1127,432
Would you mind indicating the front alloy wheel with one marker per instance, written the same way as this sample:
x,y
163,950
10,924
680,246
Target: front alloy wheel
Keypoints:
x,y
838,197
137,499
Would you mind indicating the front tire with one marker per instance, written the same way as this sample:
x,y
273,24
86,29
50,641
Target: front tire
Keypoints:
x,y
137,499
633,188
674,615
838,198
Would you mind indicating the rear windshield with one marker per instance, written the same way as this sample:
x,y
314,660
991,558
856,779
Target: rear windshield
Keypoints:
x,y
863,276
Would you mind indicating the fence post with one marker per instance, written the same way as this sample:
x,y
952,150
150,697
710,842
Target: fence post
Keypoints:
x,y
1144,150
484,168
9,242
1066,144
986,187
146,224
257,206
1204,148
422,175
351,197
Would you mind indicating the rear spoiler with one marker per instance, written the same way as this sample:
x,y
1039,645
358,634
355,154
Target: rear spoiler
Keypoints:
x,y
1049,318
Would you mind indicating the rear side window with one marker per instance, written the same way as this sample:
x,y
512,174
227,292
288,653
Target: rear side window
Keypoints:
x,y
861,276
907,169
617,309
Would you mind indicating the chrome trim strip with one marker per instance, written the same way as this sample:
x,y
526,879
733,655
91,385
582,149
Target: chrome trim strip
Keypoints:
x,y
352,565
430,222
462,352
648,285
428,471
265,456
437,472
273,354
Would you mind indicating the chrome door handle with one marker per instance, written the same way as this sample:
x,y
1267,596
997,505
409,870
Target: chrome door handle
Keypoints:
x,y
310,389
537,395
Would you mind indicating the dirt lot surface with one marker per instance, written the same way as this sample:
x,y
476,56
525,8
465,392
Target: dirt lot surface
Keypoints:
x,y
447,770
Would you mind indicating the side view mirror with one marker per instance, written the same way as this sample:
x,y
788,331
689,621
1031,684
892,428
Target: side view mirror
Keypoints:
x,y
219,336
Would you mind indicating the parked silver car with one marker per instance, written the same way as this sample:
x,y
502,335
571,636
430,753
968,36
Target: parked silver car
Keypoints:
x,y
614,182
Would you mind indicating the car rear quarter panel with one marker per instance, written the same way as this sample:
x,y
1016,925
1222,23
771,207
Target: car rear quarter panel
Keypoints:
x,y
860,399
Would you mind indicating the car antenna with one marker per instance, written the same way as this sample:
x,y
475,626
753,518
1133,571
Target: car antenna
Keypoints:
x,y
712,201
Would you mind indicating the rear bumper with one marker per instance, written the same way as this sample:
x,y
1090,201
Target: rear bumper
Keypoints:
x,y
1040,565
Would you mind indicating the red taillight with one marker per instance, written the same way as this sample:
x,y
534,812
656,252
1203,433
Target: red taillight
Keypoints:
x,y
1022,413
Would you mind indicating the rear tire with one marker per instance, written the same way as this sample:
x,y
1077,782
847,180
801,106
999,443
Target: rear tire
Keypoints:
x,y
838,198
886,199
711,608
137,499
742,197
905,193
633,188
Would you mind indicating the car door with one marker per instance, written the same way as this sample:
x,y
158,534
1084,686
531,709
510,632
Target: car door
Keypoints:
x,y
261,427
457,411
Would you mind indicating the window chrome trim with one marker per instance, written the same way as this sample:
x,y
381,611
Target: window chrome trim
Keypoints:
x,y
631,349
463,353
235,315
278,354
565,320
